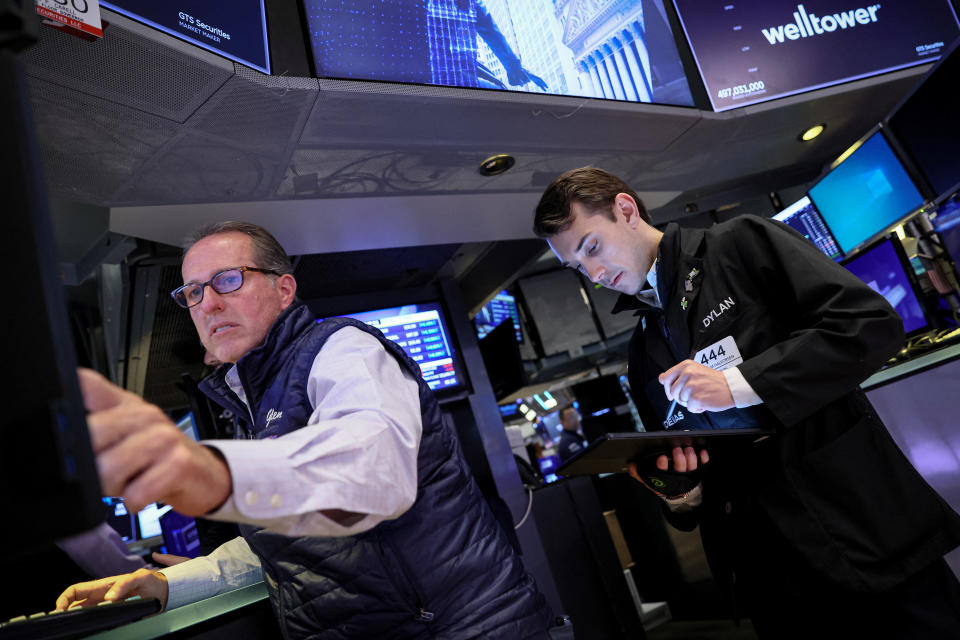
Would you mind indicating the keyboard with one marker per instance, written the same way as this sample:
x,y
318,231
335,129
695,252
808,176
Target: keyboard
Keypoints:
x,y
77,623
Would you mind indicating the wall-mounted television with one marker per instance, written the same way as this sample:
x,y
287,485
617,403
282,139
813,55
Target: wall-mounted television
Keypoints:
x,y
756,50
885,268
421,331
802,216
866,194
236,30
926,126
538,46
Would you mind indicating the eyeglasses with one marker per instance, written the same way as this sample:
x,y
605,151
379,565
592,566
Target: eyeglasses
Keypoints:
x,y
228,280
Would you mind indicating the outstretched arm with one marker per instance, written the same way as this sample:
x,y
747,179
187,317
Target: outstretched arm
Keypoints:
x,y
142,456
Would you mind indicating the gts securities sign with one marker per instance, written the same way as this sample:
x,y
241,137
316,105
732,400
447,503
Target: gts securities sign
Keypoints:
x,y
750,51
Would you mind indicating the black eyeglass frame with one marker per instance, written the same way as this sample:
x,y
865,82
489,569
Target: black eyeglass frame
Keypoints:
x,y
203,285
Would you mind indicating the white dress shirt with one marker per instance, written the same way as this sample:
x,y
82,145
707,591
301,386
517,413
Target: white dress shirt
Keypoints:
x,y
358,453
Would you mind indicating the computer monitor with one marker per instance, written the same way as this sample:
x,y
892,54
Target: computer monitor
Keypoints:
x,y
421,331
501,358
118,517
926,126
802,216
598,396
548,467
49,481
135,527
188,425
884,267
502,307
866,194
148,520
180,534
235,30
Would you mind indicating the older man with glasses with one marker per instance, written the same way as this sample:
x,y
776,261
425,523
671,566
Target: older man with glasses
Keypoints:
x,y
355,503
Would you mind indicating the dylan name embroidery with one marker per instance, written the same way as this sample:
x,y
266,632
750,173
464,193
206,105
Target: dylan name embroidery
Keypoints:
x,y
725,304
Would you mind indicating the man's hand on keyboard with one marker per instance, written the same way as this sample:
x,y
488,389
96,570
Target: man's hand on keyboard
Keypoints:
x,y
142,582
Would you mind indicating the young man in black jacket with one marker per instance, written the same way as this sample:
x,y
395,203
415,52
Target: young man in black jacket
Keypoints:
x,y
824,529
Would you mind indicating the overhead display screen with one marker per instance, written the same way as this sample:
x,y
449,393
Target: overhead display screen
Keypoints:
x,y
865,194
538,46
750,51
236,30
926,125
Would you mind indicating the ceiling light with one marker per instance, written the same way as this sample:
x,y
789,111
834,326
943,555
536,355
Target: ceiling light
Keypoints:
x,y
495,165
846,154
812,132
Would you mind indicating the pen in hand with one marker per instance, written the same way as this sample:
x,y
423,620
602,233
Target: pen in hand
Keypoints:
x,y
673,406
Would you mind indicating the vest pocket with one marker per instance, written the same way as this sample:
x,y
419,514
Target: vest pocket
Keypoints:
x,y
405,580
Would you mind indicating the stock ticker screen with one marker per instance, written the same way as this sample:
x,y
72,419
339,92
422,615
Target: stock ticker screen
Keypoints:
x,y
421,331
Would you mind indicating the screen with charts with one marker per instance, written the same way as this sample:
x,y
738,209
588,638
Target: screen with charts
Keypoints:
x,y
884,268
865,194
751,51
502,307
802,216
421,331
236,30
623,52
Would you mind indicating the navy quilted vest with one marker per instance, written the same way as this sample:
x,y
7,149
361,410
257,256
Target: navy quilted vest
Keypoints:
x,y
444,569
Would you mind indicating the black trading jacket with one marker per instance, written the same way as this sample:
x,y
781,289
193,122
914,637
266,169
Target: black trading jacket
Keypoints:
x,y
832,481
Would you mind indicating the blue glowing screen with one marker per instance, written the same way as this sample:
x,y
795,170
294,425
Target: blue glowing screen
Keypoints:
x,y
867,193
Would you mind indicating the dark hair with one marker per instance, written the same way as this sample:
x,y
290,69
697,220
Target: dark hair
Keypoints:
x,y
564,409
267,252
595,188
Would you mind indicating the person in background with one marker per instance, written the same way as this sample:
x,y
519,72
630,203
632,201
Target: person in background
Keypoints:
x,y
572,441
823,529
355,504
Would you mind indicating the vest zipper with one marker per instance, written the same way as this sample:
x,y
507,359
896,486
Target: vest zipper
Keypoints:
x,y
422,615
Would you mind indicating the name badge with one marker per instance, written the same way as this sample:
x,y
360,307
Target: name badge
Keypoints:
x,y
720,355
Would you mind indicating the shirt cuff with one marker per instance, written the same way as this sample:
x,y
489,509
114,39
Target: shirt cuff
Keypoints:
x,y
743,394
230,566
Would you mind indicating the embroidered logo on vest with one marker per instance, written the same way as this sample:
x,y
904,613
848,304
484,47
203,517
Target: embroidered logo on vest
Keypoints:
x,y
272,415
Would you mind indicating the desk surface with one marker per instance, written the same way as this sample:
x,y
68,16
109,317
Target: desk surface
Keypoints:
x,y
913,365
187,615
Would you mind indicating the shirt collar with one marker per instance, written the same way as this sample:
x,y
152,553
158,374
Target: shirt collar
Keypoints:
x,y
650,295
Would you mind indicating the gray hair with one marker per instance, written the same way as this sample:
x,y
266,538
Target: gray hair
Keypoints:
x,y
268,253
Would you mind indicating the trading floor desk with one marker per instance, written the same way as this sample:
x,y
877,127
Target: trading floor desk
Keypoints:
x,y
919,401
242,614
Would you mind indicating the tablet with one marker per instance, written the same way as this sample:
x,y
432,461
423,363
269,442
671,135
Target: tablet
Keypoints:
x,y
611,452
